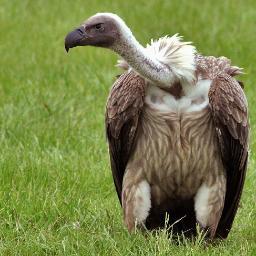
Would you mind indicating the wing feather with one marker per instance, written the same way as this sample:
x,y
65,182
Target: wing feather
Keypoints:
x,y
229,109
123,111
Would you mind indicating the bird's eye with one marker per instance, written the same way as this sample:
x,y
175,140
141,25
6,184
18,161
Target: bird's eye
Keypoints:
x,y
99,27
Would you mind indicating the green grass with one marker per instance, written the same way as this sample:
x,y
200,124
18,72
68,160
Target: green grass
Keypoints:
x,y
56,191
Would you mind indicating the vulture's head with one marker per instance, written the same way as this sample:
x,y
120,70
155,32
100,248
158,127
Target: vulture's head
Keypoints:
x,y
102,30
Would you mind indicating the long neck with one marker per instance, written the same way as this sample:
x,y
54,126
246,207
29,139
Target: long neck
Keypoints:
x,y
141,61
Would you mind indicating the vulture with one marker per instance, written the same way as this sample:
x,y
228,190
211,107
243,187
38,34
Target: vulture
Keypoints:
x,y
177,129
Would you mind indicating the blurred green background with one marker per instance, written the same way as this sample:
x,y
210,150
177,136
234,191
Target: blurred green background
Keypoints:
x,y
56,191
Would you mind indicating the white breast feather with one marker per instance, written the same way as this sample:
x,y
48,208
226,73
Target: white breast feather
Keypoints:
x,y
194,100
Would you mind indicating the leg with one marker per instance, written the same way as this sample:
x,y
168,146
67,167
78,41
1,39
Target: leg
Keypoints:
x,y
136,199
209,203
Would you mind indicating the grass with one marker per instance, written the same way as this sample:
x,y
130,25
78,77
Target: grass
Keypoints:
x,y
56,191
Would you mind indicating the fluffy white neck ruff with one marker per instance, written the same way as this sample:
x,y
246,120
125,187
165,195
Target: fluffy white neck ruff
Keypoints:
x,y
164,61
178,55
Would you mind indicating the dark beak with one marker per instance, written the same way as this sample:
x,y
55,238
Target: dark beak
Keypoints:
x,y
75,38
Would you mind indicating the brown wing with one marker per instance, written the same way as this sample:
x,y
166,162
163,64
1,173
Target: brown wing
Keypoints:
x,y
229,110
123,110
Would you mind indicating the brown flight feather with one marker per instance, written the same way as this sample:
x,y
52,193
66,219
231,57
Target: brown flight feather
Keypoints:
x,y
123,110
229,111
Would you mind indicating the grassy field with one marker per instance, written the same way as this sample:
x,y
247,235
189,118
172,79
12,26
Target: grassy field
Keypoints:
x,y
56,191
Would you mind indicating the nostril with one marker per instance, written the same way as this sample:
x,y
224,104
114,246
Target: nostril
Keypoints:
x,y
80,31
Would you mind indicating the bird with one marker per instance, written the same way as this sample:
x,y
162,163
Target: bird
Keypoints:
x,y
177,128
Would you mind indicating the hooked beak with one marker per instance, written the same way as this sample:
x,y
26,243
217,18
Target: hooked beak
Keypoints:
x,y
75,38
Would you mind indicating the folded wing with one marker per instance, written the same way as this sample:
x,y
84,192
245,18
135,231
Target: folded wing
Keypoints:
x,y
230,115
123,111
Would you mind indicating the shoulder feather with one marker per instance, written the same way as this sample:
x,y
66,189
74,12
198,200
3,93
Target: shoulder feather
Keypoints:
x,y
209,67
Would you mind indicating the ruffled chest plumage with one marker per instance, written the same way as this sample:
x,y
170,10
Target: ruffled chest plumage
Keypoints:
x,y
176,148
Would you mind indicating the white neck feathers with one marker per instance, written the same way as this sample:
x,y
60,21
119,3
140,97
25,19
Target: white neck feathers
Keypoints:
x,y
178,55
